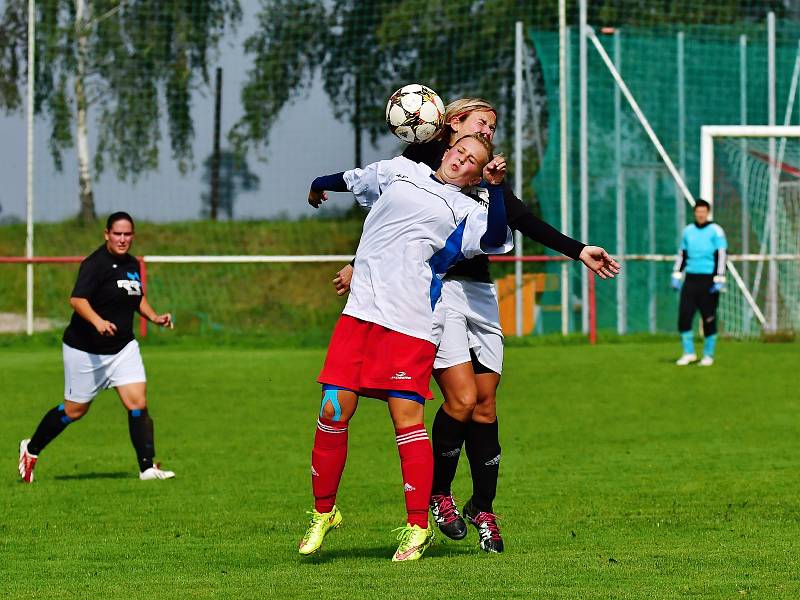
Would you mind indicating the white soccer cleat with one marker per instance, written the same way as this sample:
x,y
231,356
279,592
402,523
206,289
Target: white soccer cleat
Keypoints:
x,y
686,359
26,462
706,361
155,472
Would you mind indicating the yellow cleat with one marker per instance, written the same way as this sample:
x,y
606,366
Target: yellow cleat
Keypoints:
x,y
318,527
413,542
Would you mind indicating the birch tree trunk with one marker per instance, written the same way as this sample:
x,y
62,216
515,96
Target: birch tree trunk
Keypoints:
x,y
86,213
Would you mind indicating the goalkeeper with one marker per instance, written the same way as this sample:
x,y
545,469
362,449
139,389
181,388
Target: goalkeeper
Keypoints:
x,y
699,273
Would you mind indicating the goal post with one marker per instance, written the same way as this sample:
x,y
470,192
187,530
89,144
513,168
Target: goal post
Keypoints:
x,y
750,174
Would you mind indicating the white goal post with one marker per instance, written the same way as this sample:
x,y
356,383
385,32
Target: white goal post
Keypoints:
x,y
777,243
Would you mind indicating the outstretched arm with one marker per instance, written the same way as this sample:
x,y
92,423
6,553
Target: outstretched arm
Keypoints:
x,y
522,219
598,260
151,315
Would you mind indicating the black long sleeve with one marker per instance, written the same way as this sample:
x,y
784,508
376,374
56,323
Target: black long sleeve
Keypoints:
x,y
331,183
522,219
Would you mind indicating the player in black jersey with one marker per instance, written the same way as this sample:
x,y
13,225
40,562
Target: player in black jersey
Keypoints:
x,y
100,350
470,357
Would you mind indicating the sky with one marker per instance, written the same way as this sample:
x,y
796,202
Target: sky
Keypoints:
x,y
306,141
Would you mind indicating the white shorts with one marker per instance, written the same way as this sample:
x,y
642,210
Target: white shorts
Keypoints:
x,y
471,321
86,375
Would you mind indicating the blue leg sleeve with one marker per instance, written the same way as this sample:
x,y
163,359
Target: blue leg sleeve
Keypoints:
x,y
709,345
687,340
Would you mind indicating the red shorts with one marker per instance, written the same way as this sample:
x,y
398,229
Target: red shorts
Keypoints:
x,y
372,360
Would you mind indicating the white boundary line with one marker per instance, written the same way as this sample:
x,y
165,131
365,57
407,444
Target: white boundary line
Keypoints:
x,y
244,258
345,258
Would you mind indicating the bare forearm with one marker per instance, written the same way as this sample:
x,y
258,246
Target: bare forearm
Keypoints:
x,y
146,310
85,310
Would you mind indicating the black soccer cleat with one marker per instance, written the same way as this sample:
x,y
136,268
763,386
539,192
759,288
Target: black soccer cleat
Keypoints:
x,y
488,530
447,517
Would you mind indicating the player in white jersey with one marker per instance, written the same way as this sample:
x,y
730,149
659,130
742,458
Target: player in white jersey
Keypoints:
x,y
384,343
469,359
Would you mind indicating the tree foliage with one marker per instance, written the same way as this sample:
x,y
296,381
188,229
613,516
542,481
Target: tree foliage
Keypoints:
x,y
143,61
366,49
235,176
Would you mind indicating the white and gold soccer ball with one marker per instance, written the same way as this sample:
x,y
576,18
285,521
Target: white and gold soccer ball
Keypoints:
x,y
415,113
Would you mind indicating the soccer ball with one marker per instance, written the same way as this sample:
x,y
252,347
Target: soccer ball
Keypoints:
x,y
415,113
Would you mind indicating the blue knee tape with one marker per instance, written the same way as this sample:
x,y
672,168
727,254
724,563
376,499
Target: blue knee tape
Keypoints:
x,y
330,394
136,412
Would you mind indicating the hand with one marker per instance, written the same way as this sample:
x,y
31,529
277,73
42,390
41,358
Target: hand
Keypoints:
x,y
104,327
342,280
164,320
317,197
597,259
495,170
719,284
676,279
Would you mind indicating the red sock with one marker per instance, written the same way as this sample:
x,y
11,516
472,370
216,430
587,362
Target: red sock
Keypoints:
x,y
327,462
416,461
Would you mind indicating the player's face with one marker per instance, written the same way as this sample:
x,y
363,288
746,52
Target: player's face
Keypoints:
x,y
120,237
463,163
478,121
701,214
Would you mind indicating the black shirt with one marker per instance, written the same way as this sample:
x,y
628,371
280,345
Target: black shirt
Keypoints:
x,y
520,218
112,285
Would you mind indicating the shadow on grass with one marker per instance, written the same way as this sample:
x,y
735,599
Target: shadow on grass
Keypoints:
x,y
385,553
95,475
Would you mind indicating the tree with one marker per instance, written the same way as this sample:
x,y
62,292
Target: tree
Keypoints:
x,y
234,177
366,49
108,62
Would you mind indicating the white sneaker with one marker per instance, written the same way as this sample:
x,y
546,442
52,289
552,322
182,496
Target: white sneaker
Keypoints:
x,y
26,462
686,359
706,361
155,472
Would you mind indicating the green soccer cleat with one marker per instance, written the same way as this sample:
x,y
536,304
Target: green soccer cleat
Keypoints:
x,y
318,527
413,542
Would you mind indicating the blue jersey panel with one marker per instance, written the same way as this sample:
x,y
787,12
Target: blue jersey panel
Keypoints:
x,y
445,258
700,244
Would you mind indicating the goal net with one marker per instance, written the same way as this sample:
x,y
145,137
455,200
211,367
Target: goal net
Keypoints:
x,y
752,176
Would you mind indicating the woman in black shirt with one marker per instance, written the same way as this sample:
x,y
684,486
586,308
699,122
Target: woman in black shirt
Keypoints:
x,y
100,350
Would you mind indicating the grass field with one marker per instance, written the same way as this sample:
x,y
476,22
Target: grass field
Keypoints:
x,y
622,477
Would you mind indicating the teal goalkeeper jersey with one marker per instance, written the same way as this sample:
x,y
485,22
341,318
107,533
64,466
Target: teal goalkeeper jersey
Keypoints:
x,y
703,249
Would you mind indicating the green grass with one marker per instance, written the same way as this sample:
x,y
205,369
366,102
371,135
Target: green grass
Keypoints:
x,y
622,477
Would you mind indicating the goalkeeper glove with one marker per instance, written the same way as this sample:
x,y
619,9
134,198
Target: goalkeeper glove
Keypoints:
x,y
719,284
676,279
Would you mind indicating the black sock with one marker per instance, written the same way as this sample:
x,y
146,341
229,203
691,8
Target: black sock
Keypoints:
x,y
53,423
140,426
448,437
483,452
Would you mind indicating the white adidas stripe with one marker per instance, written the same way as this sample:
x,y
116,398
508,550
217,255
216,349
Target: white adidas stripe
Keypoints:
x,y
328,429
418,438
411,434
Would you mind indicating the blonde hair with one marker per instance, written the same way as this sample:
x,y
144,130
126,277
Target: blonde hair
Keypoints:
x,y
484,141
461,108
